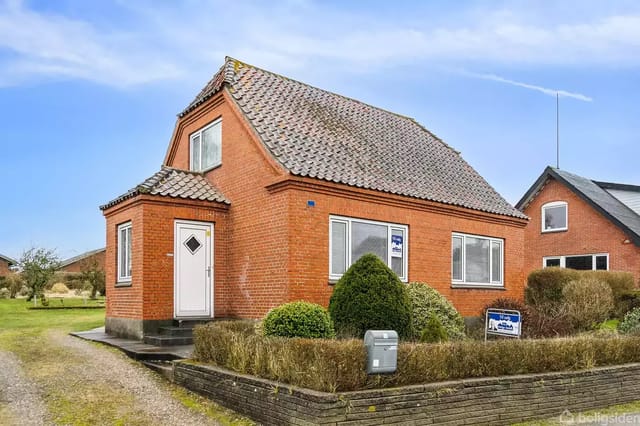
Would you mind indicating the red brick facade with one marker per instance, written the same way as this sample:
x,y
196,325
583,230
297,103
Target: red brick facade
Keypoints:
x,y
589,232
78,265
270,246
4,268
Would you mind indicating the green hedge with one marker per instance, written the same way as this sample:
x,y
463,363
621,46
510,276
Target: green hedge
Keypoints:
x,y
339,365
425,302
298,319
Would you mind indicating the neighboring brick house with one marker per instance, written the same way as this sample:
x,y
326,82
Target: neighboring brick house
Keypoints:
x,y
77,263
6,264
581,224
271,188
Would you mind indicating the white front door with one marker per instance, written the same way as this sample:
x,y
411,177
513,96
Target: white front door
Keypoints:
x,y
193,273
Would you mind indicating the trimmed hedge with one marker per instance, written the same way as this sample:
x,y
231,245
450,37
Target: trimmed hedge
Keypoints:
x,y
370,296
298,319
426,302
339,365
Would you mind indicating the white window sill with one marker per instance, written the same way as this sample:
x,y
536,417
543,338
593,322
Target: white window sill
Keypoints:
x,y
123,283
478,286
546,231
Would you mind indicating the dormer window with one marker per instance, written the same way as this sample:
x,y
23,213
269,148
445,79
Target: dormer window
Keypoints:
x,y
555,216
206,147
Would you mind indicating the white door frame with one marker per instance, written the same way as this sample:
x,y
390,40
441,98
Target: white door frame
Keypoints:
x,y
209,265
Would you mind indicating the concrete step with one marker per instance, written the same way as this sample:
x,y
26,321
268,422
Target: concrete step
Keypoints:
x,y
176,331
187,323
162,340
164,368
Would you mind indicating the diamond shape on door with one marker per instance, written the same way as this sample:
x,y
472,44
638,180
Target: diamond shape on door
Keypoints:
x,y
193,244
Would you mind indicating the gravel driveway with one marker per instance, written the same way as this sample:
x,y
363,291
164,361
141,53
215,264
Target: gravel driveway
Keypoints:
x,y
93,383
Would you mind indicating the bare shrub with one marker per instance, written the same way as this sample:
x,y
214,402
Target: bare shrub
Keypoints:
x,y
588,301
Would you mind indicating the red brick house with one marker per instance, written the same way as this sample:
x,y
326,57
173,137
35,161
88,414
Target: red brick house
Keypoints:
x,y
271,188
76,263
6,263
581,224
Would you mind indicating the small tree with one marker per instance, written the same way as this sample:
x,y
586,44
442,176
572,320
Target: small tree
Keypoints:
x,y
93,274
38,266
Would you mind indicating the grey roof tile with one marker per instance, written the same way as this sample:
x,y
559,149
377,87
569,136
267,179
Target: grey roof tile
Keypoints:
x,y
84,255
174,183
315,133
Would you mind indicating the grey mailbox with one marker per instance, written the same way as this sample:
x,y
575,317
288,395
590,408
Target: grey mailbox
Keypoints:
x,y
382,351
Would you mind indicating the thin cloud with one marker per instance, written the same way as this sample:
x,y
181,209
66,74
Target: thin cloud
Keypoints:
x,y
545,90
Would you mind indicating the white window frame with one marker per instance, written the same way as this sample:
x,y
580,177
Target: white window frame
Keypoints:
x,y
198,133
390,228
566,215
463,282
563,260
124,274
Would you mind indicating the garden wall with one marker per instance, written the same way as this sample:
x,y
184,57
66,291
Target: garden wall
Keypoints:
x,y
499,400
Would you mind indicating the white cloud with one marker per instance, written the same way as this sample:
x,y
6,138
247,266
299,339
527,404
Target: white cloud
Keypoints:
x,y
187,40
545,90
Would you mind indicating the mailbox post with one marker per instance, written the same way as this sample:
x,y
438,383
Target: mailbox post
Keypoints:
x,y
382,351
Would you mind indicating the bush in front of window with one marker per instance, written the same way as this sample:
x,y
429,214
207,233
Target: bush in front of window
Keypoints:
x,y
433,332
588,301
631,322
544,289
425,302
370,296
298,319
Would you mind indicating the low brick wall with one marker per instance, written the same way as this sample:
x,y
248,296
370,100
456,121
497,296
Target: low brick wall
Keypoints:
x,y
499,400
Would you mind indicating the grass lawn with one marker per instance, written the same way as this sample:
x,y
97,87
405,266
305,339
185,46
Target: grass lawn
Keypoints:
x,y
35,337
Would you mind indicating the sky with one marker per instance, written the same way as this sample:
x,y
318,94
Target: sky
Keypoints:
x,y
89,91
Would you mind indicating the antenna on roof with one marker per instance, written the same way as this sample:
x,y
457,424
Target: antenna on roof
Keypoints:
x,y
557,130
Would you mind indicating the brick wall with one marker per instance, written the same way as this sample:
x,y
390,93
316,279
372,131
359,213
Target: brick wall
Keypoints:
x,y
150,294
4,268
77,266
429,245
485,401
588,233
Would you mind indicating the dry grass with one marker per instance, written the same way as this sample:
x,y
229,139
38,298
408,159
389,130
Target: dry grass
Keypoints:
x,y
338,365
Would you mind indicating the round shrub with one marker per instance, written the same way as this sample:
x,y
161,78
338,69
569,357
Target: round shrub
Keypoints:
x,y
298,319
59,288
544,289
433,332
588,302
370,296
631,322
426,301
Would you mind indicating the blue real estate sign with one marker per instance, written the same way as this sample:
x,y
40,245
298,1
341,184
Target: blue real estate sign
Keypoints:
x,y
503,322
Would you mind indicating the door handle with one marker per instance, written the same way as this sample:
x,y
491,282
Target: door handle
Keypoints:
x,y
208,271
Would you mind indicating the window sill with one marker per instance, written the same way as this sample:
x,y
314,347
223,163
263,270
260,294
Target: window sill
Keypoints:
x,y
551,231
479,286
123,284
208,169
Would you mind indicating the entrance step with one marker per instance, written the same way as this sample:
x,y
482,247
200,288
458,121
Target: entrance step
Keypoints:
x,y
164,340
176,331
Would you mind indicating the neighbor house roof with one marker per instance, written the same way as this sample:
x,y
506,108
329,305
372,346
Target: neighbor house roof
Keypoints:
x,y
174,183
602,196
319,134
79,257
9,260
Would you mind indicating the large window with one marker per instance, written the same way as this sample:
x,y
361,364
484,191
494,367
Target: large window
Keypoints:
x,y
476,260
554,216
124,252
587,262
206,147
349,239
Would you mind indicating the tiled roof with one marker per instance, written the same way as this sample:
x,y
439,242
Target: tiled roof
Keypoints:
x,y
174,183
322,135
84,255
595,194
